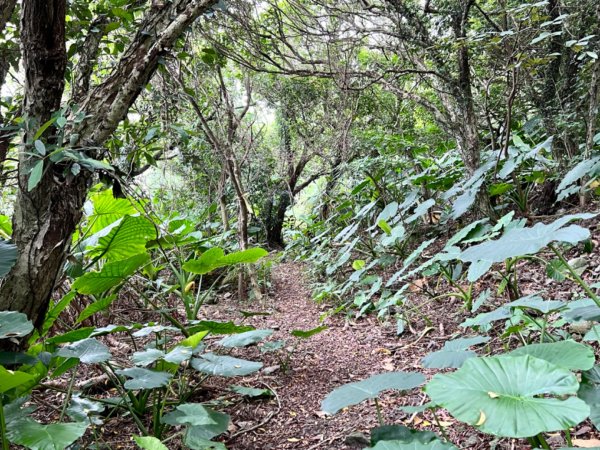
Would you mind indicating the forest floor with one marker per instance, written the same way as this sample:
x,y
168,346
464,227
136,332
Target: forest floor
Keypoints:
x,y
304,371
349,350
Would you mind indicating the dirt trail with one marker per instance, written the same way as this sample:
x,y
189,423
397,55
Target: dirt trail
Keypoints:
x,y
345,352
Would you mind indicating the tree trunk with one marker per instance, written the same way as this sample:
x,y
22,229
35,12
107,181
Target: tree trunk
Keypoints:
x,y
6,11
46,217
42,216
276,218
222,198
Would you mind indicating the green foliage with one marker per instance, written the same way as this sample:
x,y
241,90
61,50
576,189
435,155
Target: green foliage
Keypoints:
x,y
110,275
149,443
8,257
245,339
36,436
354,393
526,241
215,257
14,324
224,366
499,395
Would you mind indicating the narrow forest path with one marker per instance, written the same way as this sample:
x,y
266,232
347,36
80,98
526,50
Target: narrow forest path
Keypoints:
x,y
347,351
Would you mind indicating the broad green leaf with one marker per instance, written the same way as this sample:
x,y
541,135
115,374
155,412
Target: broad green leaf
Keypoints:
x,y
215,258
88,351
144,378
95,307
14,324
8,257
465,343
193,441
124,240
401,433
203,423
272,346
190,414
147,357
580,170
110,275
10,379
401,445
566,354
71,336
305,334
589,392
593,335
443,359
40,147
537,303
556,270
510,396
388,212
486,318
194,340
384,226
207,262
245,339
6,229
35,436
149,443
251,255
354,393
218,327
35,175
178,354
524,241
358,264
106,210
83,410
151,329
575,314
224,366
251,392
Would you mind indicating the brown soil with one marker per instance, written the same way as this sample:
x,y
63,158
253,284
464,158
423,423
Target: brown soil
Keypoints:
x,y
349,350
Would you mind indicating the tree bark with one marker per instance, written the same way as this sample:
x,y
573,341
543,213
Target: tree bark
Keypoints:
x,y
7,8
43,215
46,217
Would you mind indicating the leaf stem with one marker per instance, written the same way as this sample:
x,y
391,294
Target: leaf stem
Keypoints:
x,y
379,415
577,278
439,424
5,444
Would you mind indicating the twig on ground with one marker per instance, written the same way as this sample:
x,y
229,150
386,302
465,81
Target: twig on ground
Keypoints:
x,y
266,419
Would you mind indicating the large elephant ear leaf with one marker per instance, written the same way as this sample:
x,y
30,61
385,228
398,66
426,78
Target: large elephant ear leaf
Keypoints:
x,y
14,324
215,258
125,239
207,262
106,209
510,396
36,436
523,241
402,445
589,392
8,257
225,366
566,354
110,275
354,393
251,255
